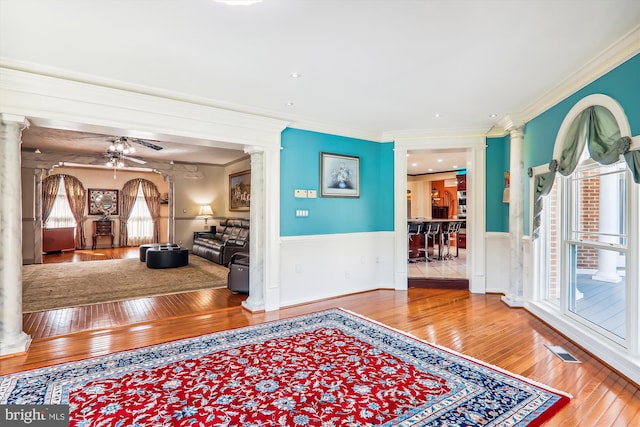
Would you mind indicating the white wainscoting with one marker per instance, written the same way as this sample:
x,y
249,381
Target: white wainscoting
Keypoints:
x,y
324,266
497,256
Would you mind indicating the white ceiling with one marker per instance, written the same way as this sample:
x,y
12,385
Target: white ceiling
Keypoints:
x,y
369,68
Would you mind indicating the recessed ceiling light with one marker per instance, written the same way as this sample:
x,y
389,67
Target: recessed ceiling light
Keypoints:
x,y
455,166
436,115
430,170
439,160
295,75
414,164
290,104
493,115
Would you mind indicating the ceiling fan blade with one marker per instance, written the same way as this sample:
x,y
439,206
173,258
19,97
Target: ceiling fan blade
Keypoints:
x,y
146,143
133,159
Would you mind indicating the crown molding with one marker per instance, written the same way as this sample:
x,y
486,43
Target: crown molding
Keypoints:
x,y
48,96
442,133
620,51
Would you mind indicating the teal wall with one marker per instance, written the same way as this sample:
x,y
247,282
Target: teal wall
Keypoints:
x,y
622,84
300,169
497,163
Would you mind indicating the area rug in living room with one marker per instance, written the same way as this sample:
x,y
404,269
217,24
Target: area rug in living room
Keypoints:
x,y
327,368
60,285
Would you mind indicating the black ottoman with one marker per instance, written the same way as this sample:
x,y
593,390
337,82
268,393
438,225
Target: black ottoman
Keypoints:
x,y
167,257
144,248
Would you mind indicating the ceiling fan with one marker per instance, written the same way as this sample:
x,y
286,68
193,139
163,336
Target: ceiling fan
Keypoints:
x,y
121,148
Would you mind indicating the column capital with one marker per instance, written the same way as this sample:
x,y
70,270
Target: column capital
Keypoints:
x,y
14,118
511,123
254,149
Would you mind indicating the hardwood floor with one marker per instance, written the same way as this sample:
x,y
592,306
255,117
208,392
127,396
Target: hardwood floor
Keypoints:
x,y
480,326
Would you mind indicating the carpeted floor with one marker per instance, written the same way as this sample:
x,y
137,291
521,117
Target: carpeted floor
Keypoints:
x,y
327,368
51,286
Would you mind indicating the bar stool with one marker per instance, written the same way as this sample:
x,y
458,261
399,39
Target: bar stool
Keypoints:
x,y
432,229
452,228
413,229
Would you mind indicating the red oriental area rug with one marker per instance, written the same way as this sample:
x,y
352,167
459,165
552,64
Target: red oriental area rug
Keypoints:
x,y
331,368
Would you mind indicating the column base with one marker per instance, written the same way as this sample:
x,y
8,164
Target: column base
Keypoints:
x,y
513,302
252,306
19,344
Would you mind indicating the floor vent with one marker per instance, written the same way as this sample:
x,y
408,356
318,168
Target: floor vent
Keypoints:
x,y
563,354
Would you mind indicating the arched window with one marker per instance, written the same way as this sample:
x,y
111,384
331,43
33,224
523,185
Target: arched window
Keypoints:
x,y
584,225
60,215
63,204
140,216
140,222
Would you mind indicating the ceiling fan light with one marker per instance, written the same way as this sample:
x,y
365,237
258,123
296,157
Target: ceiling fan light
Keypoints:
x,y
120,164
112,147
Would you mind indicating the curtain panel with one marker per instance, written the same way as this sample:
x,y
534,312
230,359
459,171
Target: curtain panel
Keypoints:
x,y
127,199
542,185
76,197
152,198
49,192
128,196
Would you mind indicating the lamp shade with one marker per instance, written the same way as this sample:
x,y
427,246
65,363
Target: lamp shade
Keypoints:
x,y
205,210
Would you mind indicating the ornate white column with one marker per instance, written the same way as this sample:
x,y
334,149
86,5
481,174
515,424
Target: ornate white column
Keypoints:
x,y
12,338
515,296
256,301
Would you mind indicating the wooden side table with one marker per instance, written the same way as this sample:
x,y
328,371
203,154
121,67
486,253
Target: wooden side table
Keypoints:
x,y
101,228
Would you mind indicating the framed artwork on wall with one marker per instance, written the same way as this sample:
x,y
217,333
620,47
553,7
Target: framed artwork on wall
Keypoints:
x,y
240,191
339,175
102,202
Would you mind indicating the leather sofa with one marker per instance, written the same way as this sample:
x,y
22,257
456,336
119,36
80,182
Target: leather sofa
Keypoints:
x,y
232,236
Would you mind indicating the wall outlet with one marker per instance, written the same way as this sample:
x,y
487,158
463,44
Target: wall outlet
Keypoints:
x,y
300,193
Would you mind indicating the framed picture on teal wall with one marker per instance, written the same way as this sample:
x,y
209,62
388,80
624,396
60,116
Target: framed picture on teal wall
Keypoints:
x,y
339,175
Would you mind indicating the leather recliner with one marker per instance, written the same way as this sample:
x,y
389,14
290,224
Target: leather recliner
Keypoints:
x,y
233,237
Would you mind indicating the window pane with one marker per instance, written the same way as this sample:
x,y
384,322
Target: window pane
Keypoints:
x,y
597,291
61,215
550,232
599,195
140,224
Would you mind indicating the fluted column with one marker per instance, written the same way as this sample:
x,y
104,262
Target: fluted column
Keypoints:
x,y
515,296
256,299
12,338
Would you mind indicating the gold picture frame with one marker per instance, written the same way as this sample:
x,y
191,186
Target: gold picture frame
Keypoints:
x,y
240,191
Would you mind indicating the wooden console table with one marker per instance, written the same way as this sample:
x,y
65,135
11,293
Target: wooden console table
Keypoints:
x,y
101,228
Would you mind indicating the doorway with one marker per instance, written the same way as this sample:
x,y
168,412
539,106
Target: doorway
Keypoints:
x,y
436,214
473,148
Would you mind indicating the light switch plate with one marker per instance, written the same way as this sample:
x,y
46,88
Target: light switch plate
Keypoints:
x,y
312,194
